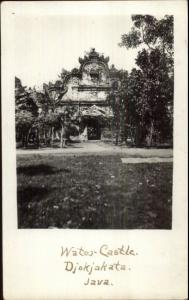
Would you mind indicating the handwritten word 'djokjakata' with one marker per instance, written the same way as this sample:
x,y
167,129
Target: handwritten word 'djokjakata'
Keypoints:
x,y
90,268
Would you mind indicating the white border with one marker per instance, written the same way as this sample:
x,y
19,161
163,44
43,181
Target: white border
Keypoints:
x,y
33,268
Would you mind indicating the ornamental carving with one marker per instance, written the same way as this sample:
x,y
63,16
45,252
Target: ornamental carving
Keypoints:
x,y
91,82
93,55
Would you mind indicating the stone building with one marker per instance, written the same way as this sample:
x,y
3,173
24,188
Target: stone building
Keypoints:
x,y
87,88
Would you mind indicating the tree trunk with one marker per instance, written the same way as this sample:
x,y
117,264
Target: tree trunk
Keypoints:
x,y
149,138
27,137
23,138
137,136
62,138
117,137
46,138
151,133
117,129
52,135
37,138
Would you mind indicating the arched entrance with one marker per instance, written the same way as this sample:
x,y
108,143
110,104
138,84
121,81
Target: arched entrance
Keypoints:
x,y
94,120
93,129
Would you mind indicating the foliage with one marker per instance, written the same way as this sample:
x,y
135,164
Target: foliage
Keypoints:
x,y
25,112
23,119
149,31
148,91
53,94
63,74
23,98
51,121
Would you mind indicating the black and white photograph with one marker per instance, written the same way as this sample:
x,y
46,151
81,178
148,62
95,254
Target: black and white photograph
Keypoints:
x,y
94,102
94,150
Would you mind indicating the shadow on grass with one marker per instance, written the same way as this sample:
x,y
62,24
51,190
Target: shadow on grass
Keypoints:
x,y
30,193
39,169
29,199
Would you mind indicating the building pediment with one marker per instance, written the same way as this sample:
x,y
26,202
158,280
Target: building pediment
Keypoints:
x,y
90,82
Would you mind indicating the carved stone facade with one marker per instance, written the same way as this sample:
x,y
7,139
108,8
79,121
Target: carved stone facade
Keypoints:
x,y
88,88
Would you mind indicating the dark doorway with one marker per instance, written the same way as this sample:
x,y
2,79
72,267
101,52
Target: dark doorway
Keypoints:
x,y
93,129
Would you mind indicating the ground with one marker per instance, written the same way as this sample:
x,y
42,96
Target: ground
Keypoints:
x,y
94,190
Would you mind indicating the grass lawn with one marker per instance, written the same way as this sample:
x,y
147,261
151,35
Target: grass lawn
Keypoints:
x,y
92,192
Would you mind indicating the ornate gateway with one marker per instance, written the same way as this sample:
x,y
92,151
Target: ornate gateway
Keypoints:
x,y
88,88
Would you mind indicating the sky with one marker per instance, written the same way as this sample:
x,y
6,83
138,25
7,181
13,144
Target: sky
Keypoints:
x,y
43,45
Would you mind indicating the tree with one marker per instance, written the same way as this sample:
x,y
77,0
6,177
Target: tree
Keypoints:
x,y
58,118
118,101
68,119
63,74
151,32
41,113
25,112
150,90
24,123
23,98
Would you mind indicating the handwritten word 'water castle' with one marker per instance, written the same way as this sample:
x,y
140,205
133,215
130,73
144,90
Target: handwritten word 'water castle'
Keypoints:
x,y
103,250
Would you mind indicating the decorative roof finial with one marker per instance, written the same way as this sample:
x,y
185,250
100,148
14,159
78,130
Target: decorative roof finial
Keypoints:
x,y
93,55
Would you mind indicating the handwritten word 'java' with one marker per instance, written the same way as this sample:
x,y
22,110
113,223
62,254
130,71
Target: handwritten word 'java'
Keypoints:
x,y
97,282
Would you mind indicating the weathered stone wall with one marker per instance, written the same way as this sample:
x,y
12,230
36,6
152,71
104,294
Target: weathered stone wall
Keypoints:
x,y
74,94
89,87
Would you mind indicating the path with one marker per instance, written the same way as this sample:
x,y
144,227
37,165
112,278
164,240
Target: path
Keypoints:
x,y
141,160
100,148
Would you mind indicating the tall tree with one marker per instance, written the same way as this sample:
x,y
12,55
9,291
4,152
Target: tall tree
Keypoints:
x,y
152,87
58,118
25,112
118,102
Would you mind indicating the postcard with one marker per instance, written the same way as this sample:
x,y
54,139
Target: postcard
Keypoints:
x,y
94,143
